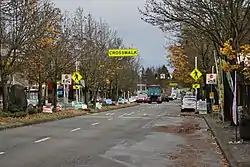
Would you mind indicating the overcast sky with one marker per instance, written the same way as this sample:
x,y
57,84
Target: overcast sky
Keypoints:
x,y
123,16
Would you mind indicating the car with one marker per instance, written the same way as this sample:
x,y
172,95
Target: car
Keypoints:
x,y
188,103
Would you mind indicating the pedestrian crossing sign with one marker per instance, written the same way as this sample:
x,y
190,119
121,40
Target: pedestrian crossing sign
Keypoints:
x,y
76,76
196,74
196,86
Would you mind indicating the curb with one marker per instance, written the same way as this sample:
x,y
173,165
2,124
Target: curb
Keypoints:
x,y
225,151
58,118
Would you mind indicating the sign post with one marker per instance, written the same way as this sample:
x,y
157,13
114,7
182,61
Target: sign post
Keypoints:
x,y
211,79
196,74
76,76
66,81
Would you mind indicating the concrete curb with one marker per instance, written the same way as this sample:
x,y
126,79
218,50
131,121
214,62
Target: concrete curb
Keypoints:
x,y
21,124
222,144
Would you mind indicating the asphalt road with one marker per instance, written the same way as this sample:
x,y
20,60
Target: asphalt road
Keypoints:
x,y
121,138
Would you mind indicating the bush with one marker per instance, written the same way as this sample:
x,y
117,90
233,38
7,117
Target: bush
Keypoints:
x,y
5,114
19,114
34,111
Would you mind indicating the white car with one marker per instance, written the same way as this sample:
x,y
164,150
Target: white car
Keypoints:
x,y
188,103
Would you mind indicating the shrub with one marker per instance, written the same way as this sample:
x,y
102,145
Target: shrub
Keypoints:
x,y
33,110
19,114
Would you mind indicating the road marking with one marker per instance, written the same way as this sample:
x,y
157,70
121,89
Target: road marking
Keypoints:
x,y
41,140
1,153
130,113
73,130
112,114
110,119
95,123
147,124
108,114
117,161
136,118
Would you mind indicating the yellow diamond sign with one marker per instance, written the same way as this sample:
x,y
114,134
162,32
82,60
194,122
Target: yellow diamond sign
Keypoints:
x,y
76,76
196,86
77,87
196,74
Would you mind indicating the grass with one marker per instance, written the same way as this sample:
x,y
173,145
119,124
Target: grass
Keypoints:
x,y
27,118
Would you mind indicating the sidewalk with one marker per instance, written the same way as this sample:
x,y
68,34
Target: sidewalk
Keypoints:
x,y
238,155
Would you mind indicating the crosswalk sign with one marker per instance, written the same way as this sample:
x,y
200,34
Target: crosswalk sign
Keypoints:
x,y
77,87
196,86
76,76
196,74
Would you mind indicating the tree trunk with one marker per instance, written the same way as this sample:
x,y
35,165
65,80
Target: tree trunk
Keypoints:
x,y
54,94
86,94
4,81
228,100
40,100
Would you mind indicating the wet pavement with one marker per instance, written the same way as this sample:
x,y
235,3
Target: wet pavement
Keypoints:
x,y
149,135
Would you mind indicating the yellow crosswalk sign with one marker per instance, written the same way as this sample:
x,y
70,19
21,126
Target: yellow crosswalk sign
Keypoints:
x,y
196,74
196,86
76,76
77,87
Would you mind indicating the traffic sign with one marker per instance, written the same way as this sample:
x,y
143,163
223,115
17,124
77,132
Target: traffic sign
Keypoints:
x,y
196,74
76,76
173,84
211,95
196,86
77,87
211,79
162,76
66,79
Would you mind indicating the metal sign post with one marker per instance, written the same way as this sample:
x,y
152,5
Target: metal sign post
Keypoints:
x,y
66,81
196,90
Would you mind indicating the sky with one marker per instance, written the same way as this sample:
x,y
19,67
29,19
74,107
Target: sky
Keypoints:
x,y
123,16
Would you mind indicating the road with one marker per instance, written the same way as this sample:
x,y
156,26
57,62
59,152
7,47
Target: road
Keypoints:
x,y
141,136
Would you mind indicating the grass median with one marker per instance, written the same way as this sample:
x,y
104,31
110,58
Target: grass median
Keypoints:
x,y
35,118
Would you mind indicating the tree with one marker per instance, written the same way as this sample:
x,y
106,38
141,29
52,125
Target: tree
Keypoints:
x,y
217,20
178,60
19,25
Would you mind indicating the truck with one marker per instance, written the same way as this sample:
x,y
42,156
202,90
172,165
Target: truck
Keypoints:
x,y
154,93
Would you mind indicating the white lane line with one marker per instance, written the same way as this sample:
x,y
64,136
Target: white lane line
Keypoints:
x,y
117,161
73,130
110,119
95,123
123,115
147,124
108,114
112,114
135,117
131,113
41,140
1,153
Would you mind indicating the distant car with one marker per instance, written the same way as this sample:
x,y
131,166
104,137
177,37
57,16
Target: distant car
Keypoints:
x,y
188,103
142,99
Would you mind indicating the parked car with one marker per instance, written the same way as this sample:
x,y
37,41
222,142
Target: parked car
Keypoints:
x,y
188,103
